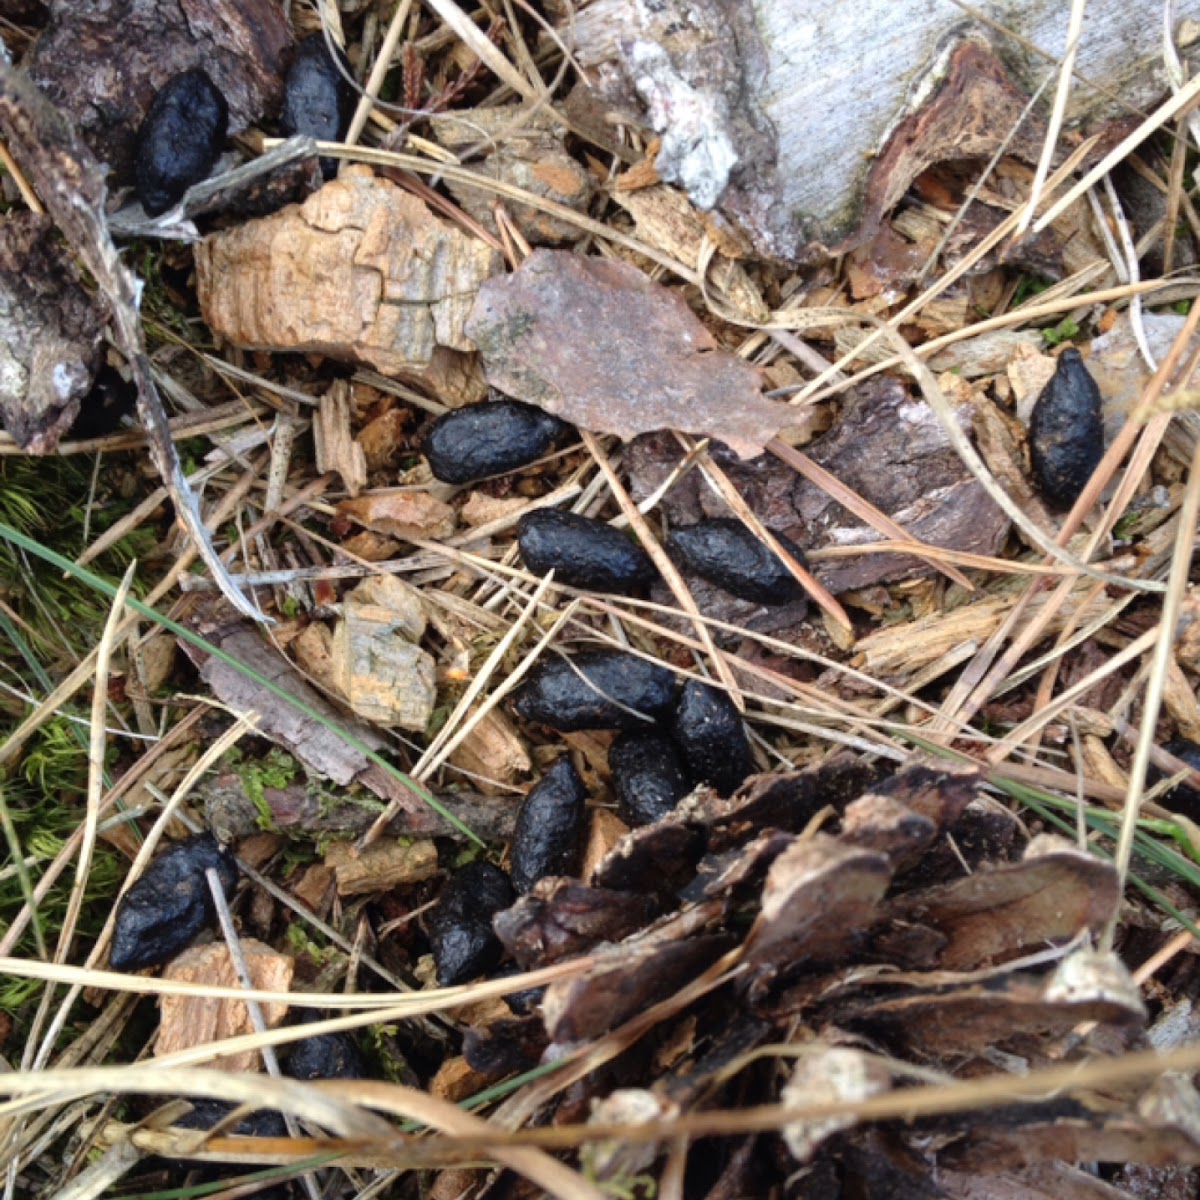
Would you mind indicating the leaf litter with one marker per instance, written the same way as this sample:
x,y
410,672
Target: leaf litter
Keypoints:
x,y
769,878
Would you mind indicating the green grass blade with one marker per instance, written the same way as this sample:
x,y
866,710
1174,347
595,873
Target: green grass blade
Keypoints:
x,y
31,546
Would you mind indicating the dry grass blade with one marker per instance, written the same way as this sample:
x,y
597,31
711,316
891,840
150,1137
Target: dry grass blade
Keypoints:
x,y
484,50
1065,71
97,742
383,61
535,1165
1164,644
1165,112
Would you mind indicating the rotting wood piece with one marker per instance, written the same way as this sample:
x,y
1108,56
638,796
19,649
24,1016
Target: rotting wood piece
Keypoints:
x,y
361,271
49,334
805,121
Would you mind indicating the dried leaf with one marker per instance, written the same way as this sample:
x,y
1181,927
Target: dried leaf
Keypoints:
x,y
601,345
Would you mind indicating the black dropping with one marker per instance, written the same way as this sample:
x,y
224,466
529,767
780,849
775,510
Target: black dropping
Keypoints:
x,y
728,554
1183,798
548,838
711,737
263,1122
583,553
525,1001
326,1056
317,100
170,904
103,408
180,139
579,693
1066,432
647,776
460,926
492,438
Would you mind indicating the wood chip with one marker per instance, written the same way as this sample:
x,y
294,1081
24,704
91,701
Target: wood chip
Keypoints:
x,y
384,675
385,864
493,752
188,1021
362,270
336,447
402,513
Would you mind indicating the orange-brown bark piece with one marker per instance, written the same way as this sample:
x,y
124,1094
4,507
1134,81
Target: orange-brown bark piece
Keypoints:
x,y
385,864
188,1021
362,271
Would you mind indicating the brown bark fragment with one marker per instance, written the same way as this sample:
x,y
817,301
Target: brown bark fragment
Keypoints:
x,y
362,271
50,330
601,345
188,1021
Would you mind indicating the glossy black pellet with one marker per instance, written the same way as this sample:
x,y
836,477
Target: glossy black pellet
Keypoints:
x,y
548,838
1066,432
583,553
1183,798
712,741
728,554
326,1056
317,100
647,776
460,925
489,439
170,904
180,139
579,693
263,1122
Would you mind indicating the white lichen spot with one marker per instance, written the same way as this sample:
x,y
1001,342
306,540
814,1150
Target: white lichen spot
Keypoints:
x,y
697,152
